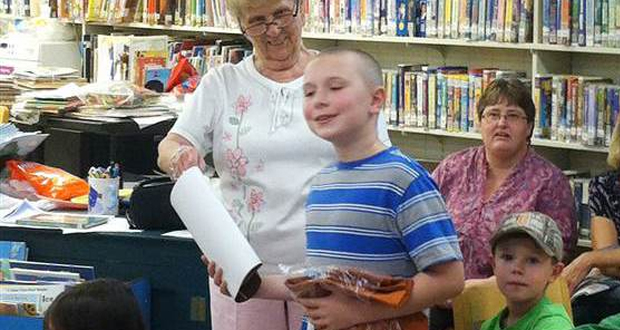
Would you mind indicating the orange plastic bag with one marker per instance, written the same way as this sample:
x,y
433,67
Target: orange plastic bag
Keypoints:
x,y
47,181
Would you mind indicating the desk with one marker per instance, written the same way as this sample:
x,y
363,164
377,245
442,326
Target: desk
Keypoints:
x,y
172,265
75,144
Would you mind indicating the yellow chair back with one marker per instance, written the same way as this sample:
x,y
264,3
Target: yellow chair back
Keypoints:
x,y
483,301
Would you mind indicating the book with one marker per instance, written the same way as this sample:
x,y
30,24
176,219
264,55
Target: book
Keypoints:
x,y
86,273
41,295
60,220
13,250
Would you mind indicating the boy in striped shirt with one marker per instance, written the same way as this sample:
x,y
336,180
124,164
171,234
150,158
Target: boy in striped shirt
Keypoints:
x,y
375,209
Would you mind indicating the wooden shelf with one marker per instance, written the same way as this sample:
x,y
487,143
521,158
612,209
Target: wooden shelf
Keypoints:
x,y
477,136
576,49
371,39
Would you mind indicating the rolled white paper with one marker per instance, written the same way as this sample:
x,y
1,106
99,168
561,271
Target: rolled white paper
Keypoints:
x,y
215,232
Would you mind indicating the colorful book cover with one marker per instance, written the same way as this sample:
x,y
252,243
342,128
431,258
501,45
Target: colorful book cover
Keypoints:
x,y
402,18
13,250
156,78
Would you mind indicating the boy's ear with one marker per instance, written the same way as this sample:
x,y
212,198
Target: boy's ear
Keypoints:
x,y
378,97
557,271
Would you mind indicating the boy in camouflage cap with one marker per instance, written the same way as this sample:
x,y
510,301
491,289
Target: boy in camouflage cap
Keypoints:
x,y
527,253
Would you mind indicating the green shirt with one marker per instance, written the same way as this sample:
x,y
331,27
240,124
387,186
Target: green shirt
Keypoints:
x,y
609,323
545,315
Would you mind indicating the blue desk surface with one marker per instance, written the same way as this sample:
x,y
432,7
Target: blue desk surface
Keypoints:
x,y
172,265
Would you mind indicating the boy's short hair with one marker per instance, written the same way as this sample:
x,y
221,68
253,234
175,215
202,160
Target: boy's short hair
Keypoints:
x,y
540,227
371,71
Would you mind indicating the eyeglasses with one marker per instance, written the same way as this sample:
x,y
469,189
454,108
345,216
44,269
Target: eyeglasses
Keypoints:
x,y
511,117
280,20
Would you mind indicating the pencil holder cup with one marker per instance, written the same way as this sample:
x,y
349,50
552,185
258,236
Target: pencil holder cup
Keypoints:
x,y
103,195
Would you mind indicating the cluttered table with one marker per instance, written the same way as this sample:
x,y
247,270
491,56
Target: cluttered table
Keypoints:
x,y
171,264
75,144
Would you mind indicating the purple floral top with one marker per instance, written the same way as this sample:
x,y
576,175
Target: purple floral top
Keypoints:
x,y
534,185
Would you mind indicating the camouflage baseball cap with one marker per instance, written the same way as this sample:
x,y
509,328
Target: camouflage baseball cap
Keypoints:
x,y
538,226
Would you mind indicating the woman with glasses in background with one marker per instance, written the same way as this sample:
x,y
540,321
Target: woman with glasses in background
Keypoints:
x,y
482,185
250,115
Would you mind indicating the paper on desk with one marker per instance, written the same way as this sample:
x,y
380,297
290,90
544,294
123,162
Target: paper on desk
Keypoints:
x,y
144,122
24,209
214,230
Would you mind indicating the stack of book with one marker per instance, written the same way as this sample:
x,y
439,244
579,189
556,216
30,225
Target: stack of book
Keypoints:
x,y
8,91
47,77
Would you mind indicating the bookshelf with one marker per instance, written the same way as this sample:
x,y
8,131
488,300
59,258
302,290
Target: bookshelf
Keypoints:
x,y
534,57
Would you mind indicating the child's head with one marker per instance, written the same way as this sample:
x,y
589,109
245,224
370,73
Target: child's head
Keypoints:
x,y
103,304
527,250
343,95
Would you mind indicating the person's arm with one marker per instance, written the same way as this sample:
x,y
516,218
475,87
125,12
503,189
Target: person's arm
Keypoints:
x,y
176,154
338,311
605,254
605,244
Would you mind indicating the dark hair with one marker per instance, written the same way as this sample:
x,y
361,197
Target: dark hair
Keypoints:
x,y
102,304
370,68
513,92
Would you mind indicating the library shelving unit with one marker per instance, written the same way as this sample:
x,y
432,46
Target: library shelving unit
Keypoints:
x,y
534,58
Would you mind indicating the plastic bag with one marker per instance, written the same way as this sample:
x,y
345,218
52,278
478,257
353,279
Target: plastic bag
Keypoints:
x,y
115,94
47,181
318,282
180,73
186,87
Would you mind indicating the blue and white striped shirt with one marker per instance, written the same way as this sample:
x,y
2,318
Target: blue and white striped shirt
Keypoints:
x,y
383,214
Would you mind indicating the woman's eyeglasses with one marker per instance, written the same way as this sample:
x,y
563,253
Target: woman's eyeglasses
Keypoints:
x,y
280,20
511,118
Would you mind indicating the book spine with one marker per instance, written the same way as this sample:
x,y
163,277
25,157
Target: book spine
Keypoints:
x,y
431,18
432,100
598,21
421,18
441,4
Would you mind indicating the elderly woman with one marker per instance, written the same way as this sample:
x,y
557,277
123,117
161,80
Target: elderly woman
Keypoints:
x,y
602,264
250,115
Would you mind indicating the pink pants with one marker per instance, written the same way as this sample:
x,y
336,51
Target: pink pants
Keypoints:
x,y
226,314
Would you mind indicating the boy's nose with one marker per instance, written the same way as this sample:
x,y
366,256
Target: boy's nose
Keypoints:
x,y
320,99
517,267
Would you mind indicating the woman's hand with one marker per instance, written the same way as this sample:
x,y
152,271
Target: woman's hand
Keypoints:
x,y
217,274
183,158
336,311
577,270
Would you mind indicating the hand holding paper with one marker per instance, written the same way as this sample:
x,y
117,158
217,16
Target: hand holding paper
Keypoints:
x,y
216,233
